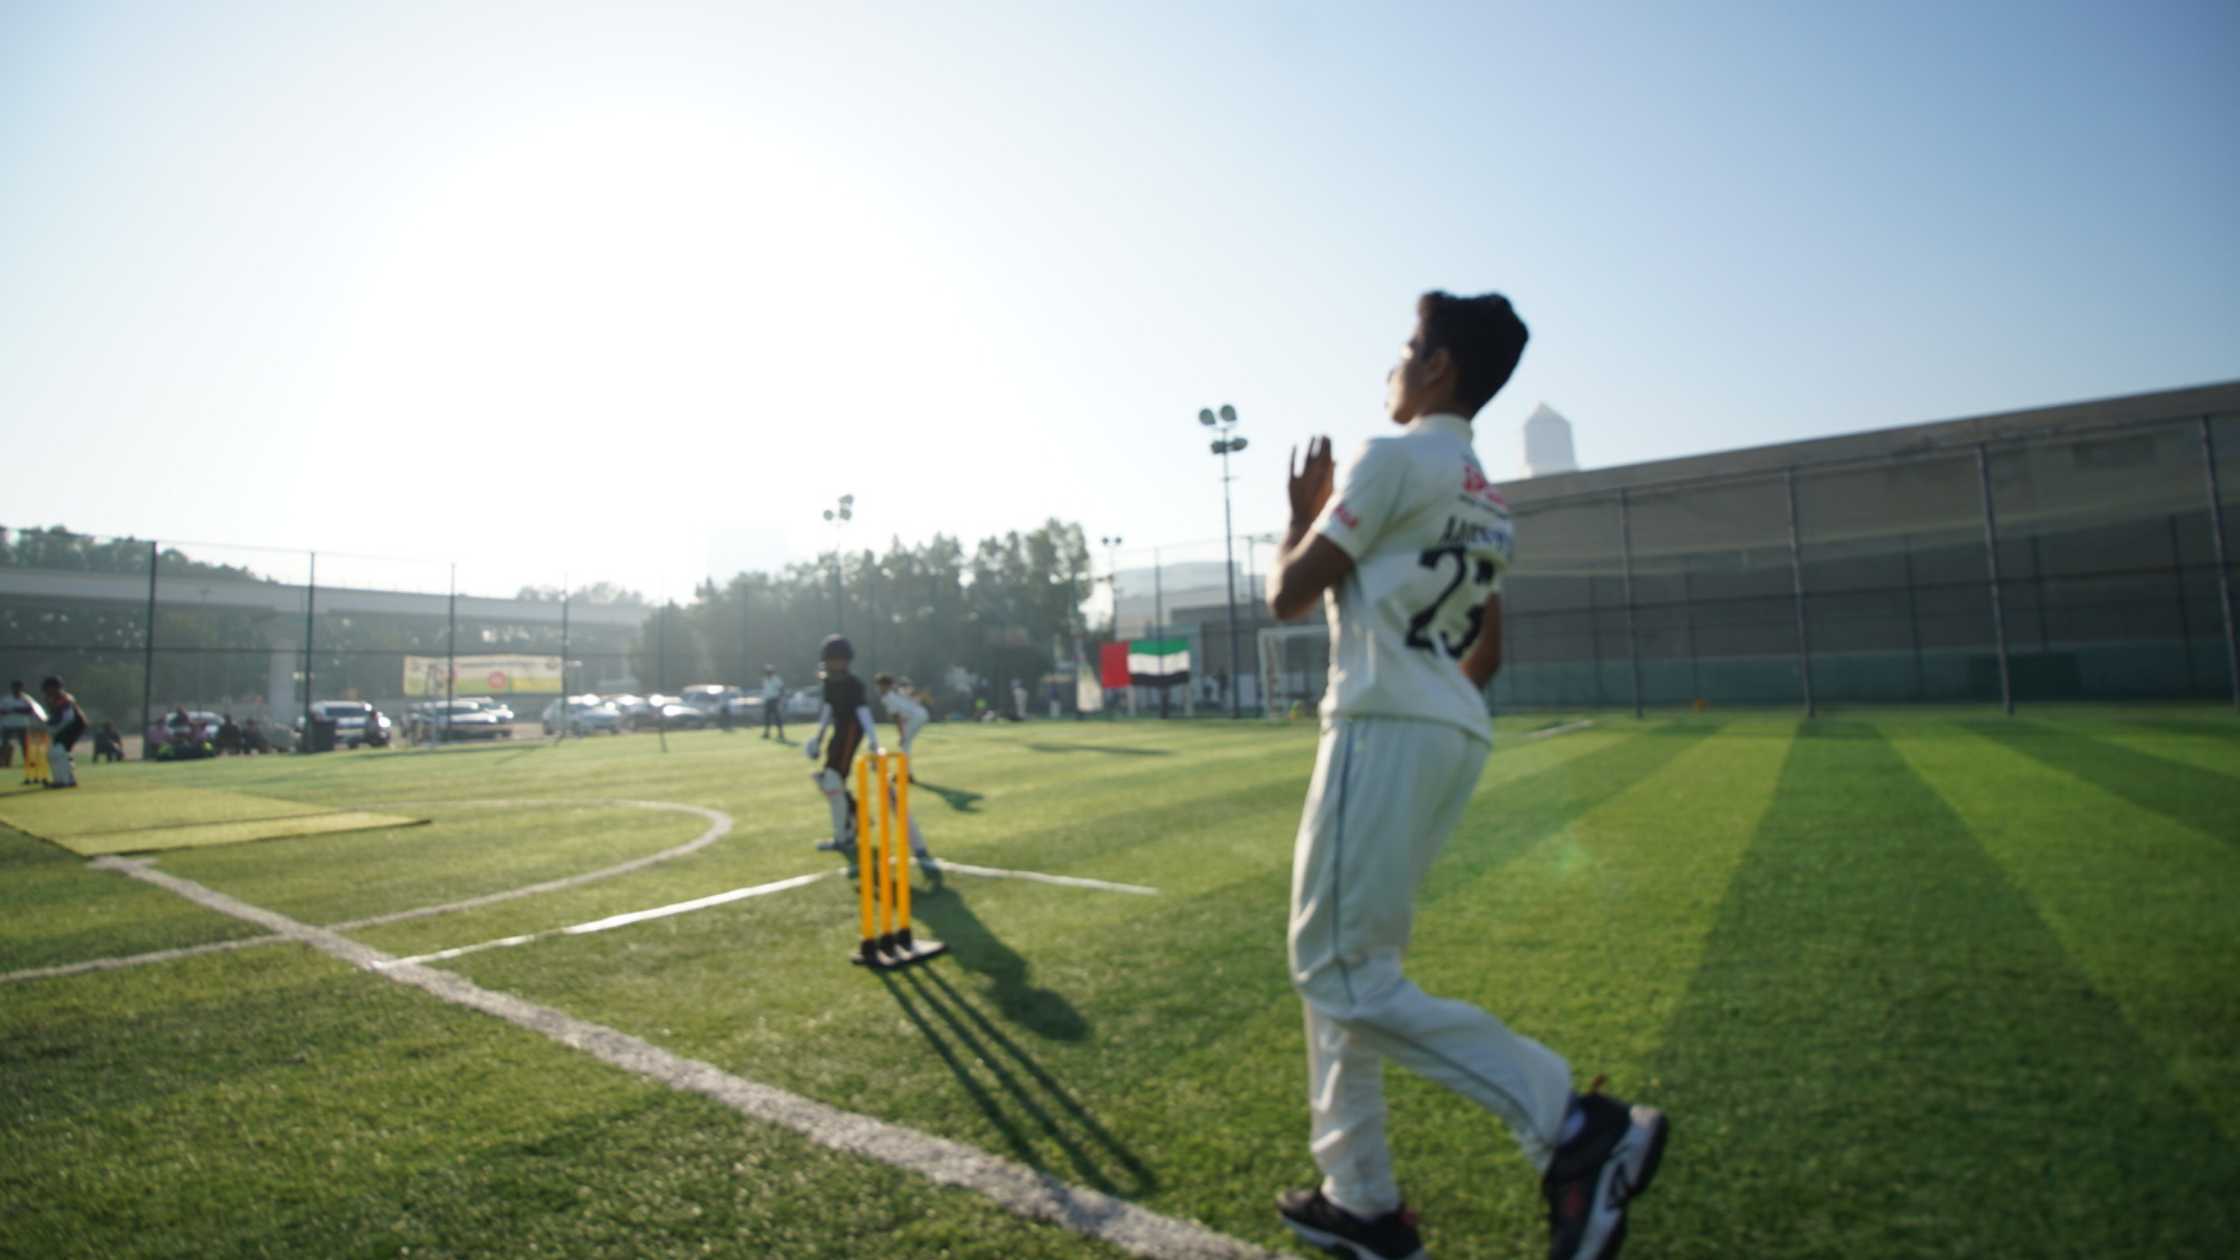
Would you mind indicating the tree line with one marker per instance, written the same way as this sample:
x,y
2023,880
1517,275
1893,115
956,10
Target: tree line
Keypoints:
x,y
959,623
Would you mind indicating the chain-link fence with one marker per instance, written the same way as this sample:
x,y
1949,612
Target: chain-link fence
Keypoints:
x,y
174,643
2076,554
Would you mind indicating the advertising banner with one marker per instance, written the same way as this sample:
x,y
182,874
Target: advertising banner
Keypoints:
x,y
482,676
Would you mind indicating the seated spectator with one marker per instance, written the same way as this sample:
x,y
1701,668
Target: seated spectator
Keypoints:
x,y
108,745
253,740
229,736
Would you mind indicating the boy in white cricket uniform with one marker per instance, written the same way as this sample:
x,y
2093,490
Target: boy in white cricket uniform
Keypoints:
x,y
909,716
1408,555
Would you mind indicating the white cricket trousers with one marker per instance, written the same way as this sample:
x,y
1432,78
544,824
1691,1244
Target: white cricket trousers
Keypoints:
x,y
1386,794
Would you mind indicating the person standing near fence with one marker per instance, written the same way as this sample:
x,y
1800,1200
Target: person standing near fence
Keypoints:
x,y
773,702
65,723
1406,555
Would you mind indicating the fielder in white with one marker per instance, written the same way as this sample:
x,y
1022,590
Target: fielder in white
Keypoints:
x,y
1407,556
909,715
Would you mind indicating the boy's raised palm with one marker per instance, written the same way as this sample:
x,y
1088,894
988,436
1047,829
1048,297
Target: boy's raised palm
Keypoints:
x,y
1310,483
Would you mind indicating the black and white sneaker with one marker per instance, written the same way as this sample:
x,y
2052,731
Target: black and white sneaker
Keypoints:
x,y
1596,1174
1321,1223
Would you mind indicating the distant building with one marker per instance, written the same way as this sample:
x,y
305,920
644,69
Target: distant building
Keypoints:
x,y
1547,443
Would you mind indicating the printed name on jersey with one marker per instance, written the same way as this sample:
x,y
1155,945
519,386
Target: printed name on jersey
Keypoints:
x,y
1474,534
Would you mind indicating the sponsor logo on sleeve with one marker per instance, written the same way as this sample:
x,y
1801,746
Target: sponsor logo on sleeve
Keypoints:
x,y
1346,517
1475,485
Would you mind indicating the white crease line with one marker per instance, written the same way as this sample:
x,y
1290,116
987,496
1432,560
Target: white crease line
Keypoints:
x,y
719,826
619,920
136,960
1011,1186
1564,729
1066,881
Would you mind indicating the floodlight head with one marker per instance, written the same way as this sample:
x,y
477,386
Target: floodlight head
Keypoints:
x,y
1220,447
1228,414
1205,415
828,514
847,500
847,515
1236,444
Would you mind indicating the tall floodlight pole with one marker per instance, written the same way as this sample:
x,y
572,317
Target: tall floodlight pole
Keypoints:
x,y
1111,544
1225,424
838,516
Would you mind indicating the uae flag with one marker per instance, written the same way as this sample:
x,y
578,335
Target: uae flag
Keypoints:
x,y
1159,662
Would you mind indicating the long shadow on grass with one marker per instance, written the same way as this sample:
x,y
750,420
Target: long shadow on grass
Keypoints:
x,y
1047,747
1885,1052
962,800
962,1036
2198,798
975,948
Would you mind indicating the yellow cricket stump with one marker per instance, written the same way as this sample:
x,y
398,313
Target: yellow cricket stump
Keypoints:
x,y
883,867
35,766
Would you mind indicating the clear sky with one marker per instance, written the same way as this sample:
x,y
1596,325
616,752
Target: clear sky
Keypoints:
x,y
634,291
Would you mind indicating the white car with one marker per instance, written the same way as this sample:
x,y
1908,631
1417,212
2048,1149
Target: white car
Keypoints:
x,y
587,715
356,723
456,719
805,702
713,698
499,708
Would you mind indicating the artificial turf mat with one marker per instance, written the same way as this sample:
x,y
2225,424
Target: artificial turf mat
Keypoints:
x,y
199,835
94,820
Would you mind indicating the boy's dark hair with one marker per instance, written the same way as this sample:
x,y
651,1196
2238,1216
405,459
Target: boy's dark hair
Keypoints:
x,y
1481,334
51,680
882,680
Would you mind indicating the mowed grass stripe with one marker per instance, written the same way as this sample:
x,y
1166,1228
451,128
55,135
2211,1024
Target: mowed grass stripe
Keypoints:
x,y
2143,904
1886,1052
1104,993
2209,803
2210,745
1586,943
1499,922
280,1103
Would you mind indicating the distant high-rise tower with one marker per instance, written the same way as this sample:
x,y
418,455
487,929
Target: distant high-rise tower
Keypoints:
x,y
1547,443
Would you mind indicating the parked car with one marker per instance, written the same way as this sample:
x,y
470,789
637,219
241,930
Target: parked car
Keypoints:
x,y
633,709
587,715
455,720
805,702
712,698
177,736
502,710
356,723
679,716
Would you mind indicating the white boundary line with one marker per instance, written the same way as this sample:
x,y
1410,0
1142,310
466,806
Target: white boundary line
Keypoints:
x,y
1012,1186
620,920
1553,731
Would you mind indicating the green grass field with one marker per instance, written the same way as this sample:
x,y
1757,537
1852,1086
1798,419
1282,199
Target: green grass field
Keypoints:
x,y
1910,984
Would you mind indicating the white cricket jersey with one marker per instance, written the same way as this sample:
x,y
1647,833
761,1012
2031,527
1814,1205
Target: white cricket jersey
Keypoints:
x,y
903,709
1430,538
